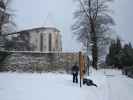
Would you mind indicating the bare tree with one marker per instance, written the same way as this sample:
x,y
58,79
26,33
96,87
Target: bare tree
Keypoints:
x,y
92,25
6,21
6,16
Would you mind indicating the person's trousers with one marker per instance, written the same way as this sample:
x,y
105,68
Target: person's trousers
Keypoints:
x,y
75,78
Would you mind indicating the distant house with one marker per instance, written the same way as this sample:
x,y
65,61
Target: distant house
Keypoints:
x,y
42,39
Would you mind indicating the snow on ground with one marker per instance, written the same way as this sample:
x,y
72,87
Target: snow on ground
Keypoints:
x,y
112,85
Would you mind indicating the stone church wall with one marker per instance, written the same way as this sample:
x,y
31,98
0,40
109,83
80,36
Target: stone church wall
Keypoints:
x,y
32,62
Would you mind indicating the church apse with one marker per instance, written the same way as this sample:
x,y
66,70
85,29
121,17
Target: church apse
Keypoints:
x,y
42,39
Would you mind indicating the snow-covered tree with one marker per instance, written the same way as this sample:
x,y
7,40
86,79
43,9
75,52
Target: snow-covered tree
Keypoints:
x,y
93,26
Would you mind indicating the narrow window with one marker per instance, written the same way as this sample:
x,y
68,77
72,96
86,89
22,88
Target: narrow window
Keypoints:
x,y
41,42
50,41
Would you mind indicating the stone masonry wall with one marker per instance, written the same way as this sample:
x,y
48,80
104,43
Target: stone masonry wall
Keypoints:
x,y
30,62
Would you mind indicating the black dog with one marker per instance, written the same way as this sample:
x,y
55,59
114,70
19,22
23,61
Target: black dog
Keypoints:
x,y
88,82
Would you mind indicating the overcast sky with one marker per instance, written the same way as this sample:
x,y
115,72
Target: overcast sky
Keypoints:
x,y
59,14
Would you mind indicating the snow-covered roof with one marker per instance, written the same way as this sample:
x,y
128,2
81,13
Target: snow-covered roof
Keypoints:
x,y
34,29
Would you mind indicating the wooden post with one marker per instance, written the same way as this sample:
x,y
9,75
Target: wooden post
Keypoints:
x,y
81,66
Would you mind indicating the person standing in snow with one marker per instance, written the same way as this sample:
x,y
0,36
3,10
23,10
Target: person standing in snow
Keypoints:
x,y
75,70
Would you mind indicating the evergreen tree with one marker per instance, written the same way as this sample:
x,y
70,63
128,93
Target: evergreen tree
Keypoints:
x,y
115,52
118,56
127,59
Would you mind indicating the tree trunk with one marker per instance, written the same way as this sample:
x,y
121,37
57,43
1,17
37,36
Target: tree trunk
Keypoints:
x,y
94,55
94,46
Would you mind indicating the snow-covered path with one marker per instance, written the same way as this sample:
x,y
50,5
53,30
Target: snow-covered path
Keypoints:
x,y
51,86
120,87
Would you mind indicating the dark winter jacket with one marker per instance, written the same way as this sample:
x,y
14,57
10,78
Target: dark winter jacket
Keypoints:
x,y
75,69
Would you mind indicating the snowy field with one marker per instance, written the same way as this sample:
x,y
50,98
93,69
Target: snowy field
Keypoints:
x,y
52,86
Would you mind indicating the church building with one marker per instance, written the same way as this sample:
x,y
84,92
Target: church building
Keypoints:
x,y
42,39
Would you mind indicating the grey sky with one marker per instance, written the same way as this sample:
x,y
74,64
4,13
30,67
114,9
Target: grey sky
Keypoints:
x,y
59,13
124,19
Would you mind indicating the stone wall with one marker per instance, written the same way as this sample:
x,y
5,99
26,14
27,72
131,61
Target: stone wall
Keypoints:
x,y
30,62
